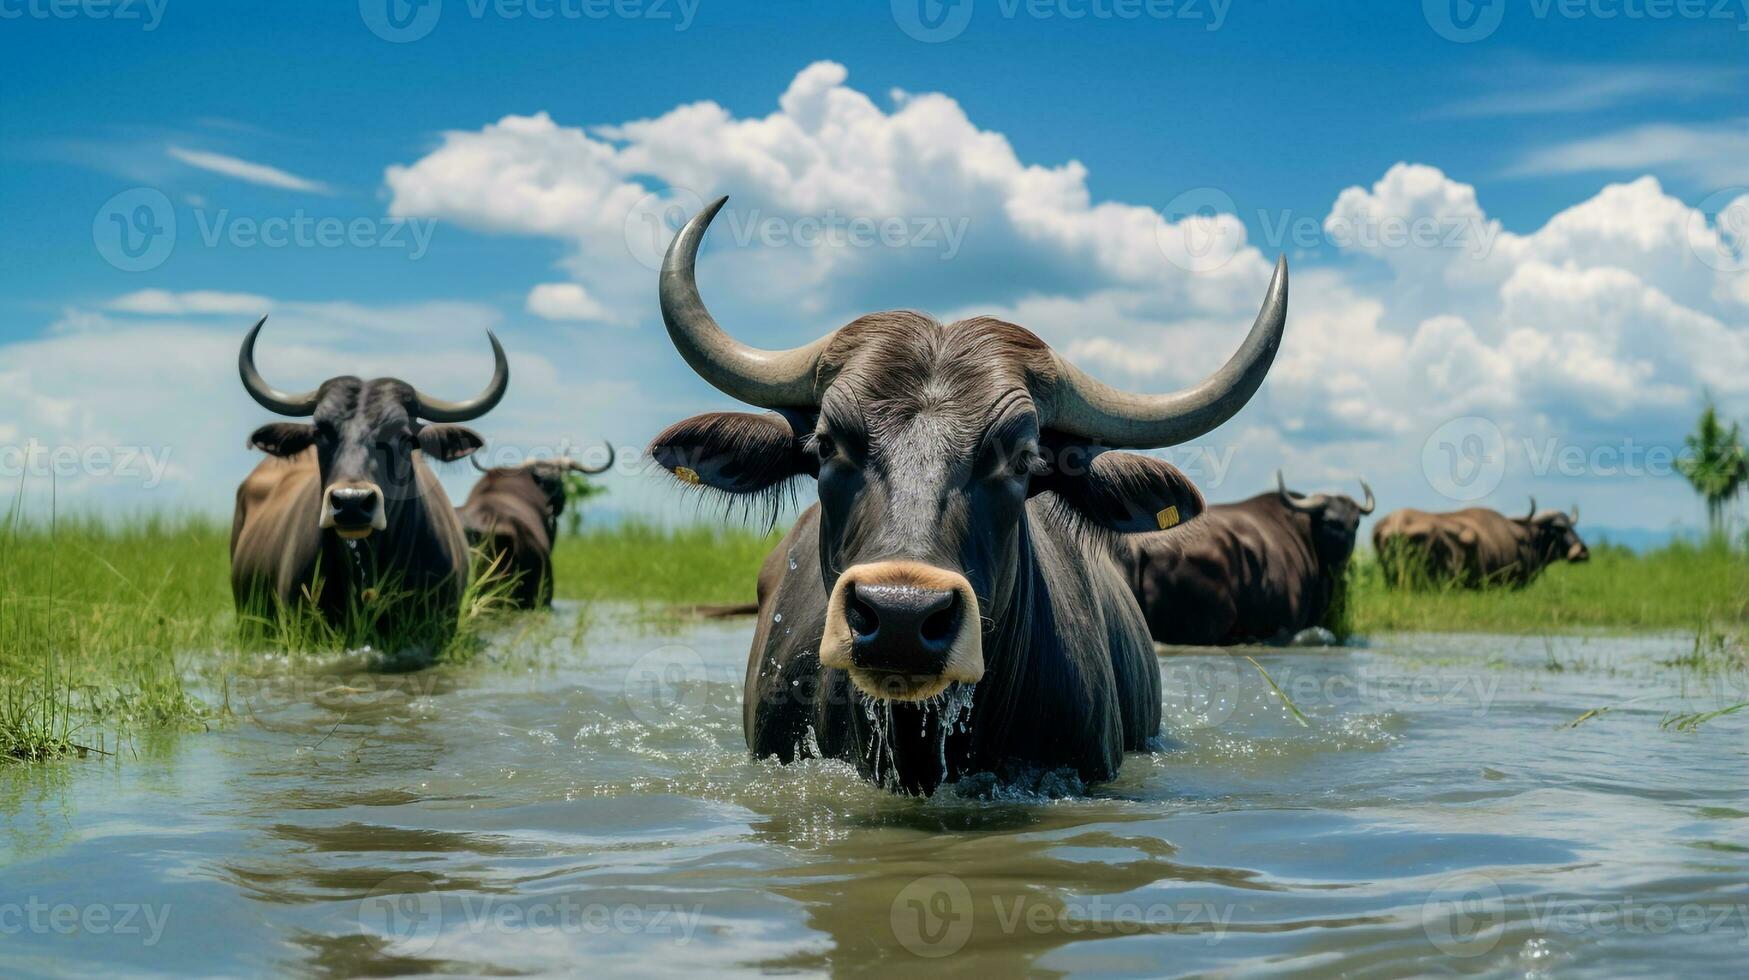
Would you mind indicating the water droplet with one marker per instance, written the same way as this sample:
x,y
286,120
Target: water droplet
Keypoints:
x,y
777,617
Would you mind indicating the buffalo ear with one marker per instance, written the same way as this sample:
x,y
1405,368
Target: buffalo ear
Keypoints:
x,y
1122,492
448,442
283,439
736,452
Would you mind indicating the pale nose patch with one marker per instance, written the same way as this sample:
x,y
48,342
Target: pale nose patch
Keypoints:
x,y
379,519
965,659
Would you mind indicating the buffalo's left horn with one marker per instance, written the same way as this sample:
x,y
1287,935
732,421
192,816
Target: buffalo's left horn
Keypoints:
x,y
1575,513
1095,410
269,397
1367,508
1293,500
577,467
766,378
1532,513
438,410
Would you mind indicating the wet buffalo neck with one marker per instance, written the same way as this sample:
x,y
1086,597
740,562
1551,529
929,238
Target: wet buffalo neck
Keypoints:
x,y
415,568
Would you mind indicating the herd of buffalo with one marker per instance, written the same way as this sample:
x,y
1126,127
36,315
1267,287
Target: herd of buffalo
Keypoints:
x,y
982,556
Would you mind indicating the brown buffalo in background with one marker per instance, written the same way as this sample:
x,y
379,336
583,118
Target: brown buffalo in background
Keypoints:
x,y
1475,547
1258,570
512,515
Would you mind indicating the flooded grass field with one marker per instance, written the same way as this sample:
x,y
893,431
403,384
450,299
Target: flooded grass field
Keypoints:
x,y
577,798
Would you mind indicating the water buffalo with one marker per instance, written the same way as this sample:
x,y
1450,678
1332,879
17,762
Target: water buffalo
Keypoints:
x,y
345,515
512,514
952,604
1258,570
1475,547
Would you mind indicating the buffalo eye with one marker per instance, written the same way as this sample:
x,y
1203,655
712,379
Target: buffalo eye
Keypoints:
x,y
825,447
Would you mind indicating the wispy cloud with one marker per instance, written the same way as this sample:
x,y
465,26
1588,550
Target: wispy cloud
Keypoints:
x,y
1542,89
254,173
1716,156
163,302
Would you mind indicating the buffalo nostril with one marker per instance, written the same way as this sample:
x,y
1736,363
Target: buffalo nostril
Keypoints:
x,y
941,627
863,620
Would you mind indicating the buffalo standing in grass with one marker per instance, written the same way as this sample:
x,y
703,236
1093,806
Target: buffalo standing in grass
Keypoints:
x,y
1476,547
952,604
346,515
1259,570
512,515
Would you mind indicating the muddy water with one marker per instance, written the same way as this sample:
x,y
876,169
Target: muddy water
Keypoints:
x,y
577,799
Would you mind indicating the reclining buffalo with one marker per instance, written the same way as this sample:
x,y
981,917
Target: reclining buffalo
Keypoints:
x,y
1260,570
512,517
951,605
345,517
1474,548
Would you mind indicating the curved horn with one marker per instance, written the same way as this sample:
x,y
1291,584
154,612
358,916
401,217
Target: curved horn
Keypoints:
x,y
1288,497
577,467
1370,504
1094,410
1532,513
474,458
438,410
1575,512
768,379
266,395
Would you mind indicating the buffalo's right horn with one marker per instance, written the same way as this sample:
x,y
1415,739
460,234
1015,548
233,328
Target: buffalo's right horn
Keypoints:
x,y
1294,500
1532,513
266,395
438,410
766,378
1370,504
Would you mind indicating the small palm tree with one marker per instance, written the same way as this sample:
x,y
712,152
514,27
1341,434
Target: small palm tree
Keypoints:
x,y
1717,464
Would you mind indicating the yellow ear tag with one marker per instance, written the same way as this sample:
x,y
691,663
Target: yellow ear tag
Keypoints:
x,y
686,474
1168,517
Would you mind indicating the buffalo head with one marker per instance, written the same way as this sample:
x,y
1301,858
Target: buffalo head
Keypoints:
x,y
1555,535
1335,519
366,435
927,440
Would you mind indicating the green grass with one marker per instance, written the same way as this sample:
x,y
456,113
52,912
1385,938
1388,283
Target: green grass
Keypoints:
x,y
1682,586
113,627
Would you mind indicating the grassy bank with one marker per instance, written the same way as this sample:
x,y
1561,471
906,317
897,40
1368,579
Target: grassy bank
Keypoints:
x,y
108,627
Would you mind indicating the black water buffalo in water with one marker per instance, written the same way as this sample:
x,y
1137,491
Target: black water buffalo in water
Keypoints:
x,y
346,515
512,515
1258,570
1476,547
951,605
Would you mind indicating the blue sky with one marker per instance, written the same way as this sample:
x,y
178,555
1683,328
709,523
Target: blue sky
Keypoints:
x,y
1268,113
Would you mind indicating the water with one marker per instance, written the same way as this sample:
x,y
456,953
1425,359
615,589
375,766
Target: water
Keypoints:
x,y
578,800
